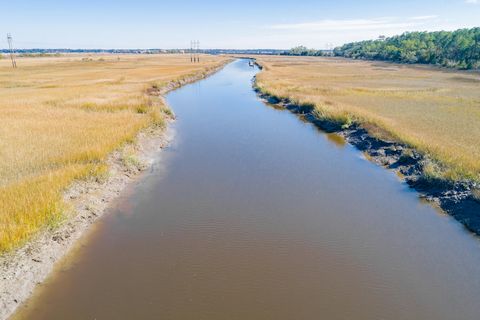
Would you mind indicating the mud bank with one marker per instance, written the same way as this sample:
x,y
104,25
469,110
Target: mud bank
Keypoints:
x,y
457,198
25,268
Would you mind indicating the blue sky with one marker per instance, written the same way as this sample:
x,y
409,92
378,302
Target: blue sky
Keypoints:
x,y
223,24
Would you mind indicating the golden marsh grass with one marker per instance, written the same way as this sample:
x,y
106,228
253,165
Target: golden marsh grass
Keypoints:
x,y
61,117
434,110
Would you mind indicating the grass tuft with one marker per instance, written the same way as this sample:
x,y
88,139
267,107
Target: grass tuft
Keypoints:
x,y
476,194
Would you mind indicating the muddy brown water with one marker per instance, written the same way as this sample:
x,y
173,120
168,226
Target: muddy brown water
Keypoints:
x,y
254,214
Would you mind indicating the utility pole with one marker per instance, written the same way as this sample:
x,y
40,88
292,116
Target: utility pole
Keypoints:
x,y
10,46
194,51
191,51
198,51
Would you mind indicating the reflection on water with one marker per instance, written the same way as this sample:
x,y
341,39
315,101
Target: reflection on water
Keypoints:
x,y
337,139
252,214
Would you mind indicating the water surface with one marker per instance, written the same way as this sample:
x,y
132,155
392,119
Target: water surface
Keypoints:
x,y
254,214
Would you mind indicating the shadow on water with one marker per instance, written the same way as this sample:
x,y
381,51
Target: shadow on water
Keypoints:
x,y
253,214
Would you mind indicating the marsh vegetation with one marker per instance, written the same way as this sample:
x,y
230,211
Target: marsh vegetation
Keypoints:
x,y
62,117
436,111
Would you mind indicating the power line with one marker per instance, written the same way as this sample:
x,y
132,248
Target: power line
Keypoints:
x,y
12,53
191,51
194,51
198,51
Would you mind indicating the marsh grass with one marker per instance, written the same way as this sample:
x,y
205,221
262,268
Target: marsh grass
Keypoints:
x,y
60,119
433,110
130,159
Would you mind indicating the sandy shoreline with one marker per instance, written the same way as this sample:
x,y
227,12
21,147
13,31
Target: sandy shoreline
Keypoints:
x,y
22,270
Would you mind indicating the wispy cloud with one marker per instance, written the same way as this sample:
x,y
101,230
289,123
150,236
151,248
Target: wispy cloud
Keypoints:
x,y
356,24
472,1
420,18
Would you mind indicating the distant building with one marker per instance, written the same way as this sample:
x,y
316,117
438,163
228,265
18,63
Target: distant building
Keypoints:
x,y
382,38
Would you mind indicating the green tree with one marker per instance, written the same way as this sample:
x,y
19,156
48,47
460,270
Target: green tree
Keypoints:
x,y
458,49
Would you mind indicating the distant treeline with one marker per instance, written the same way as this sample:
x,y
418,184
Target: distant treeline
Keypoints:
x,y
44,52
304,51
39,51
458,49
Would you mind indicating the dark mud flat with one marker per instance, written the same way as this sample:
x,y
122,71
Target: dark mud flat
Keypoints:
x,y
253,214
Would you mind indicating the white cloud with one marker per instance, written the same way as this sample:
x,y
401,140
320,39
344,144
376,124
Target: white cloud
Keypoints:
x,y
419,18
317,34
356,24
384,23
472,1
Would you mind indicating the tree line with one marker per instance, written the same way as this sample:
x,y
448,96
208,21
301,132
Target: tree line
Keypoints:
x,y
304,51
458,49
455,49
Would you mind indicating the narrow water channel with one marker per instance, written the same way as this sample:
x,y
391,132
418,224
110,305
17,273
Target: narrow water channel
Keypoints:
x,y
254,214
